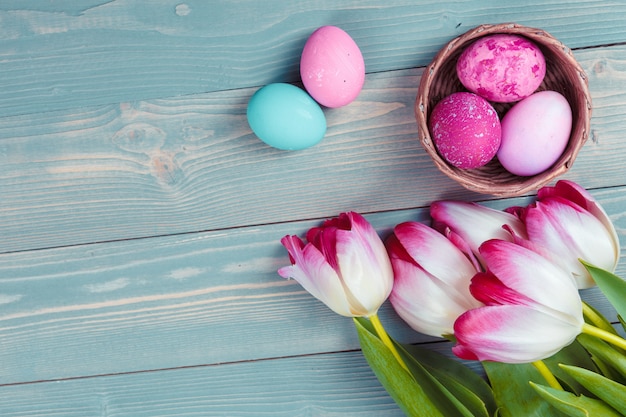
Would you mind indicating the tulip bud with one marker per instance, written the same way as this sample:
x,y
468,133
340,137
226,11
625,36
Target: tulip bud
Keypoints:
x,y
344,265
532,308
566,224
432,276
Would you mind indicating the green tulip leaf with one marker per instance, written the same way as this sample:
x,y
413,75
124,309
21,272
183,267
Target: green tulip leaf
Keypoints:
x,y
471,402
607,370
462,382
514,395
573,405
612,286
413,397
611,392
452,397
608,358
574,354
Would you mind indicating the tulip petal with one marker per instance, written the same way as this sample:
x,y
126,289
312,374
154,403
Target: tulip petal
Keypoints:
x,y
571,191
435,254
558,222
511,334
344,221
366,271
396,250
427,304
529,273
488,289
324,240
572,233
473,222
560,261
373,244
463,246
315,275
580,196
567,224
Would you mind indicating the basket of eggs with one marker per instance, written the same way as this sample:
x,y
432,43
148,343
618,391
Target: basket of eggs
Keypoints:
x,y
503,109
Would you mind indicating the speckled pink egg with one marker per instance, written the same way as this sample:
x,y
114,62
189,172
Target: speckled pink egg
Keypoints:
x,y
465,129
502,68
332,67
535,132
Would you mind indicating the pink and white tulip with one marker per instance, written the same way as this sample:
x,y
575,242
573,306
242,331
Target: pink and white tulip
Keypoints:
x,y
344,264
566,224
432,276
532,308
471,224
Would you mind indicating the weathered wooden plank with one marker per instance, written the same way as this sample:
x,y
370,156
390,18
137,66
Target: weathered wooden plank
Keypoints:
x,y
323,385
158,303
58,55
179,301
189,164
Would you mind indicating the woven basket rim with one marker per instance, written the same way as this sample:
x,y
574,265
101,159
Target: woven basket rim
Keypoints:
x,y
475,180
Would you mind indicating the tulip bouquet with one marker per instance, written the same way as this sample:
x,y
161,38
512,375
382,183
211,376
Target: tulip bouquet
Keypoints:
x,y
502,286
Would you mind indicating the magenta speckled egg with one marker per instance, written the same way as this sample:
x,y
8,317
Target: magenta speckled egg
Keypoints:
x,y
466,130
535,132
332,67
502,68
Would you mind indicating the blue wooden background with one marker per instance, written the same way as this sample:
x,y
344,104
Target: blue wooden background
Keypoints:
x,y
140,218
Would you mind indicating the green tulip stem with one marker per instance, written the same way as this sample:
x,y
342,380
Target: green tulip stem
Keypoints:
x,y
604,335
384,337
547,374
591,315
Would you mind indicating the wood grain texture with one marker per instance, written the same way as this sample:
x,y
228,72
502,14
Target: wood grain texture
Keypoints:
x,y
190,164
59,55
332,385
182,301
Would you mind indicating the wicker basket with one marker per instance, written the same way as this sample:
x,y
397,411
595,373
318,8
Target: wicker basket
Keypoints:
x,y
563,74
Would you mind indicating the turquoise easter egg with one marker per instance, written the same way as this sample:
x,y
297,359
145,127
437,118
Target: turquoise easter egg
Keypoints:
x,y
286,117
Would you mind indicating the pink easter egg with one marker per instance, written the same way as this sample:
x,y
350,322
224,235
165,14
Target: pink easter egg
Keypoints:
x,y
502,67
465,129
332,67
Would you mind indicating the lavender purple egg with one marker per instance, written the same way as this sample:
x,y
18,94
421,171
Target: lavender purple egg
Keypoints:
x,y
535,132
502,68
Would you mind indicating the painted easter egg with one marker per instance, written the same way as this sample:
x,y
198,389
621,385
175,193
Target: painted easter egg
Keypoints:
x,y
535,132
465,129
332,67
286,117
503,68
